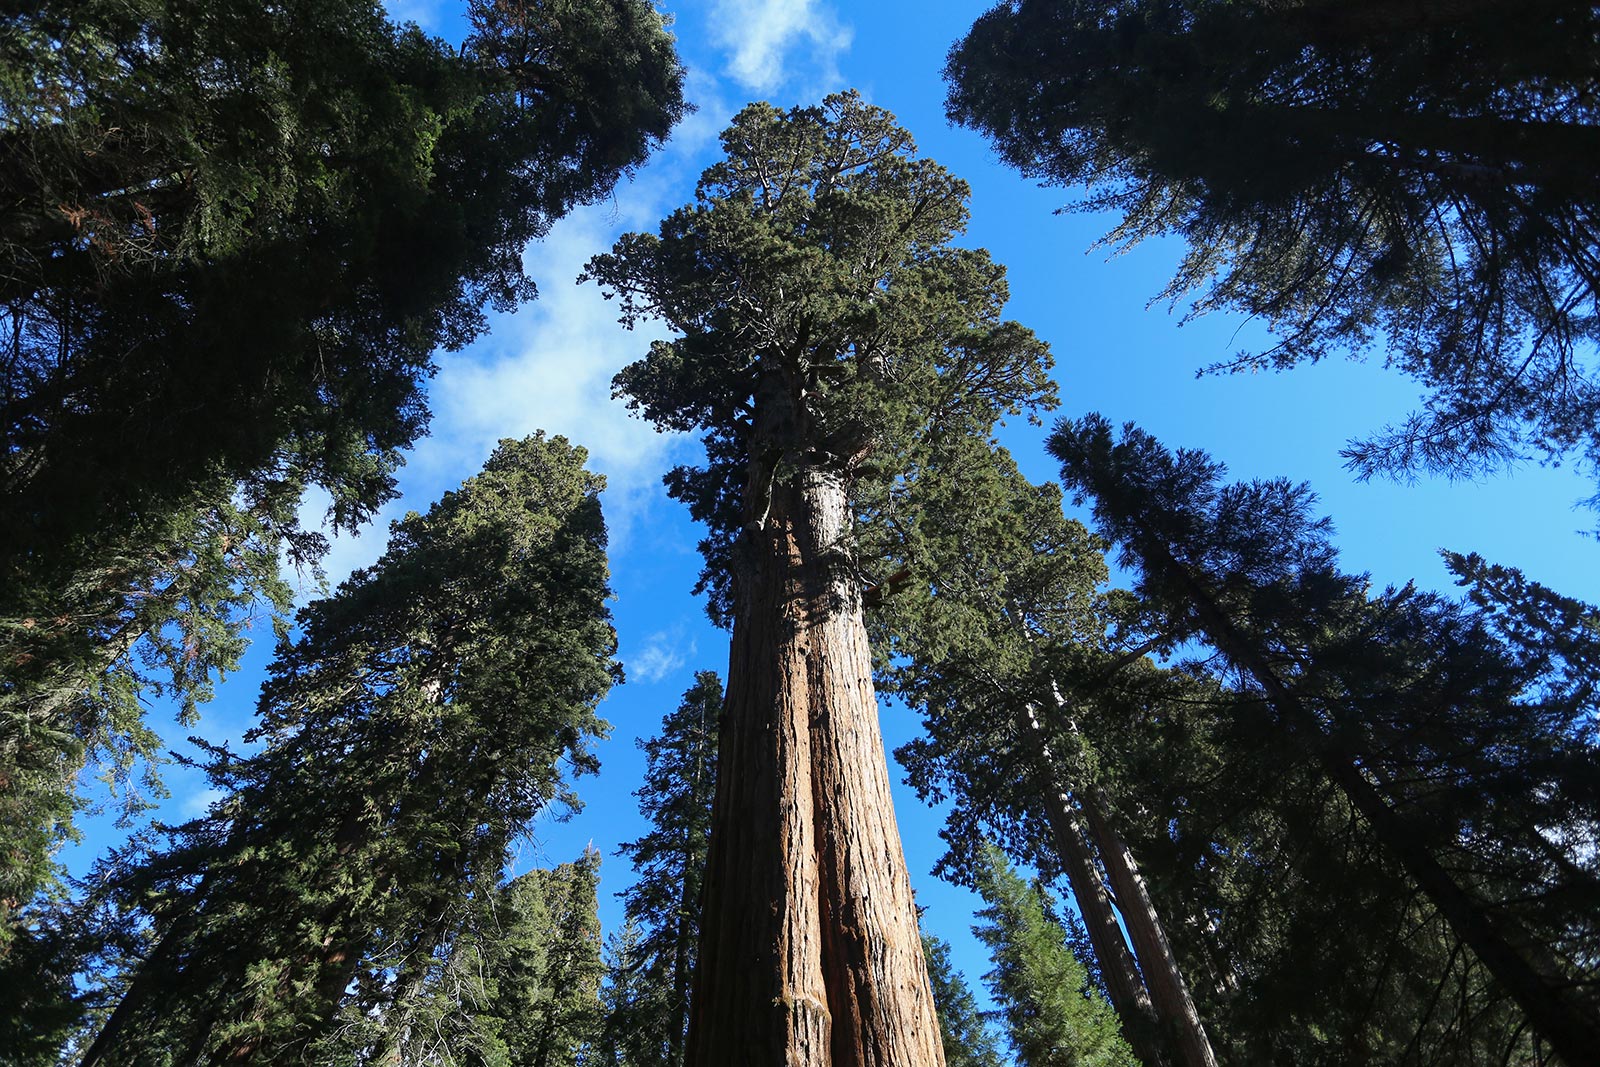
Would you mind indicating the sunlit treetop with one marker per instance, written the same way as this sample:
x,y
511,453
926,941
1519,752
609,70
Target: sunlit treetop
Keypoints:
x,y
825,318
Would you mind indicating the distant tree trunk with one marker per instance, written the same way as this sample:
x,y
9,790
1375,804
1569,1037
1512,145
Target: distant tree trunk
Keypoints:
x,y
809,952
1125,987
1168,991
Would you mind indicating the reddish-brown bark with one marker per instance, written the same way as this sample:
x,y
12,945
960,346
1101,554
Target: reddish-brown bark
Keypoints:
x,y
809,950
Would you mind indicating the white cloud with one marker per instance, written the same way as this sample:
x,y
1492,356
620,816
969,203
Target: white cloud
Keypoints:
x,y
761,37
664,653
196,803
549,366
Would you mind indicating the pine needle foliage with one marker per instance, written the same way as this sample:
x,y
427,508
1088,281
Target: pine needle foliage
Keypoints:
x,y
663,905
1053,1018
1460,735
412,728
1363,176
968,1041
235,234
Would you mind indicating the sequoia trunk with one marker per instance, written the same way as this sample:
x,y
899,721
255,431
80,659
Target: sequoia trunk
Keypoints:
x,y
809,953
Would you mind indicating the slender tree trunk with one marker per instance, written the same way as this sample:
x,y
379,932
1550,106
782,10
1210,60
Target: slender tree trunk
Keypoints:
x,y
1124,985
809,953
1158,1015
1168,991
688,899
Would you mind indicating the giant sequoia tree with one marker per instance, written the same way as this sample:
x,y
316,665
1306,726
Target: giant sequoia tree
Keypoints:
x,y
1416,177
829,334
412,729
1461,736
232,235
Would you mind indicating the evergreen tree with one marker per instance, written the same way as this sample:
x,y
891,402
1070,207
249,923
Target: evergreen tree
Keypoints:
x,y
1453,738
234,235
1356,174
634,1002
680,782
1265,866
828,335
968,1041
547,965
515,984
999,611
1053,1017
77,676
411,730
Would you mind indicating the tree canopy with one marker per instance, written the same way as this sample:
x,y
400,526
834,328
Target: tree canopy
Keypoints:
x,y
1467,752
813,278
234,236
663,906
1407,178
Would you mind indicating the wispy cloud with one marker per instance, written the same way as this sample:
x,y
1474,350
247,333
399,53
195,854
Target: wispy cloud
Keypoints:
x,y
549,366
665,652
764,38
196,803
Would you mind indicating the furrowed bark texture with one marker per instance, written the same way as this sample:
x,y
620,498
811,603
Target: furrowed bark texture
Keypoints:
x,y
809,953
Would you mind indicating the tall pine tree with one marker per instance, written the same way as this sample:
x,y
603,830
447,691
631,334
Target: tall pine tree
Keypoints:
x,y
234,236
413,727
998,610
1053,1017
1451,736
664,903
968,1041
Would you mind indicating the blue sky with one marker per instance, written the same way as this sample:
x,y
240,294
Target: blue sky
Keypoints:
x,y
549,366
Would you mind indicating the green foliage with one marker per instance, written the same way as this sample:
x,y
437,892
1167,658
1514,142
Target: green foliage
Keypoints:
x,y
239,232
168,619
635,1005
663,905
234,235
514,984
968,1042
1412,178
1473,725
997,594
825,321
1053,1017
548,968
40,1006
412,729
